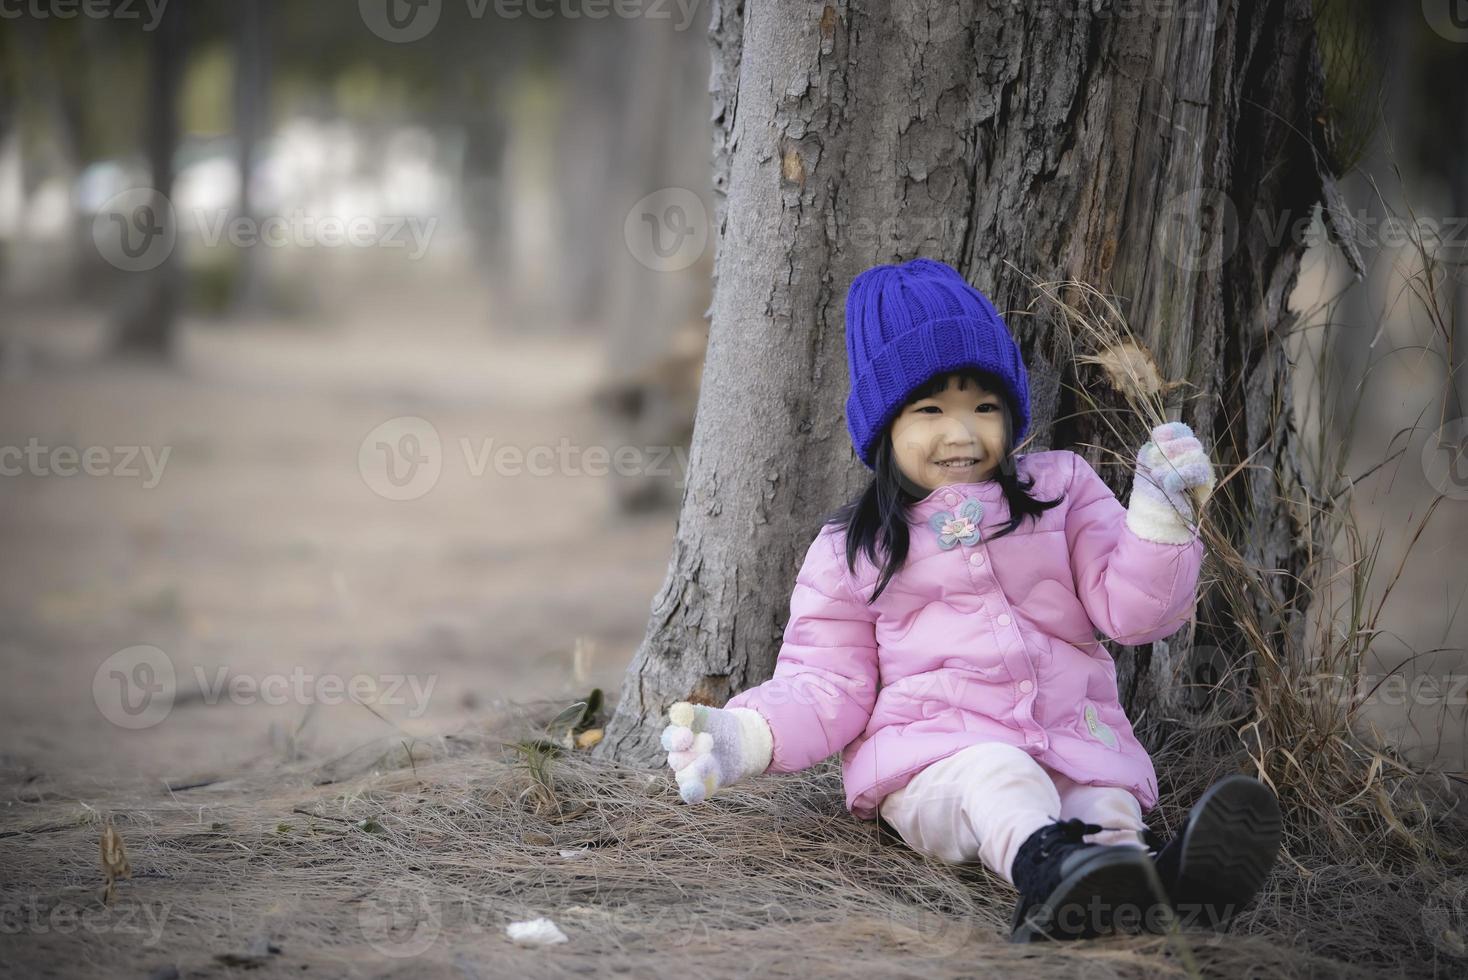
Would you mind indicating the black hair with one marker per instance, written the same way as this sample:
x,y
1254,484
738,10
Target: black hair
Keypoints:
x,y
876,520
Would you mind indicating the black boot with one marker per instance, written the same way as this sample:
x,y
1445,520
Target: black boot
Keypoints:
x,y
1215,866
1069,889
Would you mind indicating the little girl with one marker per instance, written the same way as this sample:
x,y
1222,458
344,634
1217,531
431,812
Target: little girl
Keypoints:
x,y
942,636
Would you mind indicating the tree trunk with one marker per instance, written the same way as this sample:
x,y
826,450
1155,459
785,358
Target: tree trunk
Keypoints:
x,y
146,325
251,122
658,260
1067,143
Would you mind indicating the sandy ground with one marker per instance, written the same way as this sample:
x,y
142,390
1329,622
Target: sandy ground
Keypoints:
x,y
266,567
264,555
268,555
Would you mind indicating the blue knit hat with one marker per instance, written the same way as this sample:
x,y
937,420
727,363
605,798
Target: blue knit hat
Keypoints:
x,y
906,323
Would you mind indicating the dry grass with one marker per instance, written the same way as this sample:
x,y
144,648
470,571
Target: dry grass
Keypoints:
x,y
412,857
1289,704
414,863
1303,687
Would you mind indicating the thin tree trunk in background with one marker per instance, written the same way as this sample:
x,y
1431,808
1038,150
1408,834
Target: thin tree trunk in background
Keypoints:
x,y
251,119
481,104
8,130
664,144
1065,142
654,315
1363,310
147,326
588,147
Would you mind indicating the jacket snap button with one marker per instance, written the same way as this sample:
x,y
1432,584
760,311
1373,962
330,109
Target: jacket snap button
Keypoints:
x,y
951,499
1003,619
976,559
1026,687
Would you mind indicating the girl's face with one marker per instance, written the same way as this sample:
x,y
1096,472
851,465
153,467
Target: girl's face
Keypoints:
x,y
955,436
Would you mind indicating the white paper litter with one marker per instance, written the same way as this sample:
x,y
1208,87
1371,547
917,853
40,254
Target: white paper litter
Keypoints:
x,y
574,853
535,932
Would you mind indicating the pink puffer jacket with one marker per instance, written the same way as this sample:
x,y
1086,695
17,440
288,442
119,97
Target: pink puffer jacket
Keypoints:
x,y
979,642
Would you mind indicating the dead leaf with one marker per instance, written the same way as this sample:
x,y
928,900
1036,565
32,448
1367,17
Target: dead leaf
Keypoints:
x,y
114,860
1131,370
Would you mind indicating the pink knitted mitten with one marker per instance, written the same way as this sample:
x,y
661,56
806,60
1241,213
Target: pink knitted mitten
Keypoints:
x,y
1167,468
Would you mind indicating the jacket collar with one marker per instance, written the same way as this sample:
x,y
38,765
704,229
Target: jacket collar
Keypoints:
x,y
952,496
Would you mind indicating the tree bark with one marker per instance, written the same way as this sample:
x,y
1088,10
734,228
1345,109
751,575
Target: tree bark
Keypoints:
x,y
1055,140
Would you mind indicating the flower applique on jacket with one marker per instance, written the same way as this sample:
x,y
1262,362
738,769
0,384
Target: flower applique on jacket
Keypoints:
x,y
961,529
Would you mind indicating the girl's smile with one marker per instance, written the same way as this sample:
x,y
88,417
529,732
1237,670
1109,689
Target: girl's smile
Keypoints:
x,y
954,436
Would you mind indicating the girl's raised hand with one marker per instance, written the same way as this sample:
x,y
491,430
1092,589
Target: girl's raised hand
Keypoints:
x,y
1169,466
709,748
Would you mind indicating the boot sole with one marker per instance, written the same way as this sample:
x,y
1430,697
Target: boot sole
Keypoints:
x,y
1086,902
1229,846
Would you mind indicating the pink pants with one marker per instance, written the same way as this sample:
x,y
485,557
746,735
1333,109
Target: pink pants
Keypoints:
x,y
982,802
